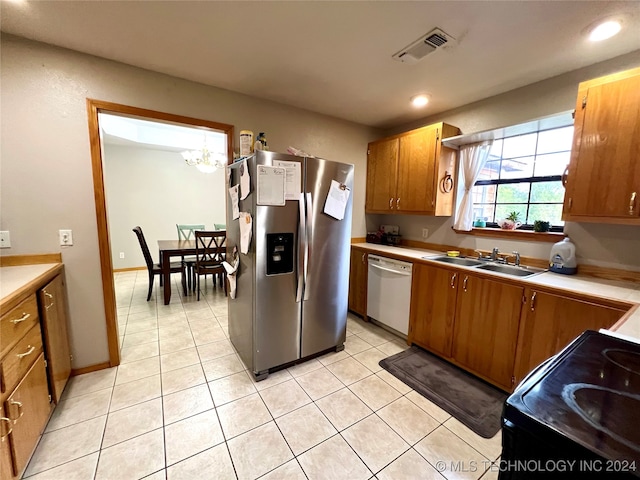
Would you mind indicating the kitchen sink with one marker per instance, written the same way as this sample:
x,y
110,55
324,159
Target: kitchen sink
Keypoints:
x,y
511,269
467,262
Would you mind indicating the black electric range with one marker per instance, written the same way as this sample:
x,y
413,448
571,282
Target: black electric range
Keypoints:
x,y
578,415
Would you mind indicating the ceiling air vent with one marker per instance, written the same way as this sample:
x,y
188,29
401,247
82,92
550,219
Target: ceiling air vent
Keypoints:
x,y
425,45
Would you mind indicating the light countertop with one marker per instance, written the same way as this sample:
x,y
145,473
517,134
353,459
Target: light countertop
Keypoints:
x,y
609,289
14,279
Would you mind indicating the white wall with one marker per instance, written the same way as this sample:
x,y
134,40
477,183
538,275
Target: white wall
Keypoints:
x,y
155,189
46,178
615,246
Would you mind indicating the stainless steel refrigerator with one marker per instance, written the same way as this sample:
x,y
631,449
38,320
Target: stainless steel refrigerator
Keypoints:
x,y
292,285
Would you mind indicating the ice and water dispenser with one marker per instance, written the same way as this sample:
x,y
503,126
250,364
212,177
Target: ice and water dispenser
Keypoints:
x,y
280,250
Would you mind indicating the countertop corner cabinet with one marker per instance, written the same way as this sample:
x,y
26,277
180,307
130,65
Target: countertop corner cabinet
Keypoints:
x,y
412,173
358,282
35,365
603,177
498,330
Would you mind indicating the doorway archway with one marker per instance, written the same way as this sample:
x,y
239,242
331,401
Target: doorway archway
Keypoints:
x,y
94,107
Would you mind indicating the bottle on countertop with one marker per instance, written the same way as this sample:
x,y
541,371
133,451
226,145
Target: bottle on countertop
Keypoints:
x,y
563,257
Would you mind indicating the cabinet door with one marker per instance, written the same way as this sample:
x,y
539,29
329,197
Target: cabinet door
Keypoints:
x,y
417,171
486,327
550,322
382,163
28,407
53,302
433,304
6,462
604,178
358,282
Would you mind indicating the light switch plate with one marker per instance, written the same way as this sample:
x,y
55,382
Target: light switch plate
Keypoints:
x,y
5,239
66,237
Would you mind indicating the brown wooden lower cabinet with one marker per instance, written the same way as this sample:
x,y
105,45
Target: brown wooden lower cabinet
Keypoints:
x,y
433,307
28,408
550,322
6,464
358,281
486,327
497,330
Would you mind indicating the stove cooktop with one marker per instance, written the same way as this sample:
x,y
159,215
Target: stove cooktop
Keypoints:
x,y
590,394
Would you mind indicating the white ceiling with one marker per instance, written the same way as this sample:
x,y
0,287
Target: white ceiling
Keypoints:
x,y
334,57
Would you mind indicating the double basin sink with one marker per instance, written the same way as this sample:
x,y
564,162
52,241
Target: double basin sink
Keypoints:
x,y
491,265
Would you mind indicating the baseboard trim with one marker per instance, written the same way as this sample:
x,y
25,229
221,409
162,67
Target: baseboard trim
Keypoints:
x,y
90,368
128,269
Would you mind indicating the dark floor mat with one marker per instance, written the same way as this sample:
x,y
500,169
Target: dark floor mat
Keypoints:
x,y
470,400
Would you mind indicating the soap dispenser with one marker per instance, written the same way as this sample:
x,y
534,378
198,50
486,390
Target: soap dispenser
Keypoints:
x,y
563,258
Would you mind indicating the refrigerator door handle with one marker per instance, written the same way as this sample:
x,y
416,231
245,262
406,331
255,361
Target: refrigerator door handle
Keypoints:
x,y
302,248
308,245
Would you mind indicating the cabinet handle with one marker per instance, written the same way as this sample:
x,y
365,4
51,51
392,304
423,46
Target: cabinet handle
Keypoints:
x,y
4,433
27,353
49,296
24,316
533,301
464,283
453,280
363,259
565,175
632,203
398,203
20,412
391,204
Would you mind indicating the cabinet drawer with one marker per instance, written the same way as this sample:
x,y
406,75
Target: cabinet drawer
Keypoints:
x,y
17,362
28,407
16,322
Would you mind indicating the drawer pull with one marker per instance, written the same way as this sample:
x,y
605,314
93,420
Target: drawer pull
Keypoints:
x,y
24,317
4,431
453,280
20,412
464,283
27,353
533,301
632,203
391,203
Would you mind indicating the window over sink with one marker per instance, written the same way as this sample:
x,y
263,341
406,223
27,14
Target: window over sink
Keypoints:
x,y
524,174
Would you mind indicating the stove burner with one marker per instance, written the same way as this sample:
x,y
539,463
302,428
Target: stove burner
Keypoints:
x,y
630,361
605,410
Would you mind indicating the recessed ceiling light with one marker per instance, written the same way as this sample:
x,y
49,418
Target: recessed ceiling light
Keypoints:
x,y
604,30
420,100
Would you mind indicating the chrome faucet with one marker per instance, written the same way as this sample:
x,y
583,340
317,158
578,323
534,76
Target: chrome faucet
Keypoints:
x,y
494,254
517,260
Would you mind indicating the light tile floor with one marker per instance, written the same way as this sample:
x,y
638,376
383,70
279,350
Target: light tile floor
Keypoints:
x,y
182,406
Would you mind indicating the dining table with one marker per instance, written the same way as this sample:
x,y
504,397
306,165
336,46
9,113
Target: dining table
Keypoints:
x,y
168,249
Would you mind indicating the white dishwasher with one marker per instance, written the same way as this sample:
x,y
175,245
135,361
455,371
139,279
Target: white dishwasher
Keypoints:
x,y
389,292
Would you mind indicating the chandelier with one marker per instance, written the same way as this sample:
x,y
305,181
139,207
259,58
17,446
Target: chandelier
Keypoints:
x,y
204,160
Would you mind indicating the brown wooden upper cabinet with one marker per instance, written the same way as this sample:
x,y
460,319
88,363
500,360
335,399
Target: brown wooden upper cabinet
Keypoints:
x,y
603,176
412,173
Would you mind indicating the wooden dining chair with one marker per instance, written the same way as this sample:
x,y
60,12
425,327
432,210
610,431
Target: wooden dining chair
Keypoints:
x,y
186,232
155,268
210,253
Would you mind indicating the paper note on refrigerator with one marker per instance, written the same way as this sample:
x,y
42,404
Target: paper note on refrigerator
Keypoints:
x,y
293,182
270,185
231,275
245,180
337,199
233,195
246,222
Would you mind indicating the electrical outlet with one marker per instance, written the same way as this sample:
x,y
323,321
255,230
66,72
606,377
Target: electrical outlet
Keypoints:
x,y
66,237
121,254
5,239
425,232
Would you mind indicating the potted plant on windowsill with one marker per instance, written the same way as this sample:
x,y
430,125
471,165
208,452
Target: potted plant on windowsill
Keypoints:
x,y
511,222
541,226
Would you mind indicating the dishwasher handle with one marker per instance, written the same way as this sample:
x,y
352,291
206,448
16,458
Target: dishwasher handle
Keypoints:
x,y
399,272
